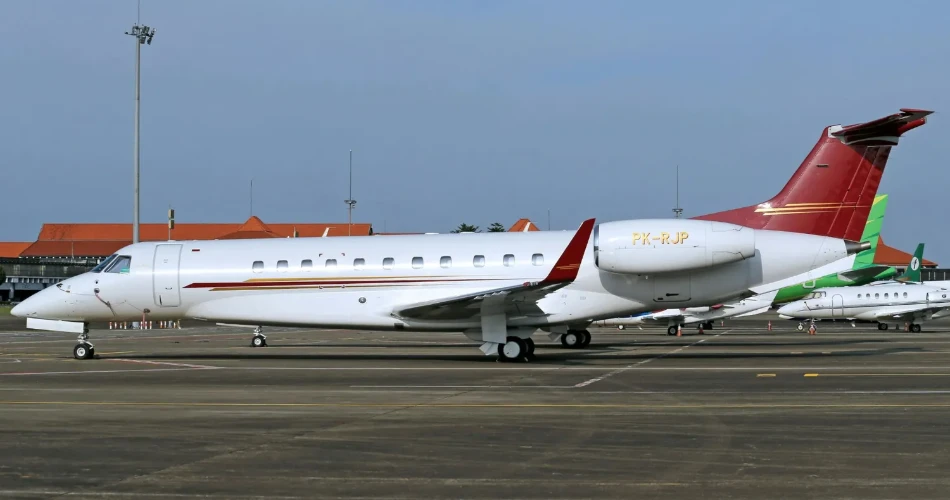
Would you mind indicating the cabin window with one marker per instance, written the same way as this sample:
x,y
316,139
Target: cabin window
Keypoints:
x,y
905,295
120,265
479,261
359,264
877,295
859,295
417,262
537,260
331,263
509,260
257,266
282,266
388,263
445,262
306,264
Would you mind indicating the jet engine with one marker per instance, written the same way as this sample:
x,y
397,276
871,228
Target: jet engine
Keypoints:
x,y
666,245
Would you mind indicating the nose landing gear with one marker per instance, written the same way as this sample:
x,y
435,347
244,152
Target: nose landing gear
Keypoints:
x,y
84,349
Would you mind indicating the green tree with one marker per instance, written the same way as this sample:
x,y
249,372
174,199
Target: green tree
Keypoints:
x,y
466,228
496,227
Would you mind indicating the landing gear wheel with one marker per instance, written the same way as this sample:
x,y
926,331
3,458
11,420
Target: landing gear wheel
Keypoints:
x,y
585,339
672,330
83,351
572,339
530,345
801,327
882,326
514,349
620,327
259,341
915,328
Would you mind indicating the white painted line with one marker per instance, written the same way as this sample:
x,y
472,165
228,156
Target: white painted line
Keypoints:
x,y
641,363
165,363
83,372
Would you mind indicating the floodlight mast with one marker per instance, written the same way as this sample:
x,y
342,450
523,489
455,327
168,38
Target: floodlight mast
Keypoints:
x,y
143,35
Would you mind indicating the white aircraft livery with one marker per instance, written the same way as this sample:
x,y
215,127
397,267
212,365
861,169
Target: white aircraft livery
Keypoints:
x,y
912,303
498,288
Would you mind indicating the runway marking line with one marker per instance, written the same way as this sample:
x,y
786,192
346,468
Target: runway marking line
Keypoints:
x,y
641,363
166,363
765,375
726,406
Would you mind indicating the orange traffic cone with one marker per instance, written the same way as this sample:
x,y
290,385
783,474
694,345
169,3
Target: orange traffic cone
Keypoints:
x,y
700,328
679,330
770,325
812,330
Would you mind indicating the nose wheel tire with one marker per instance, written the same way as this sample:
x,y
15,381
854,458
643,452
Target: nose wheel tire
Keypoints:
x,y
915,328
259,341
672,329
882,326
84,350
513,350
801,327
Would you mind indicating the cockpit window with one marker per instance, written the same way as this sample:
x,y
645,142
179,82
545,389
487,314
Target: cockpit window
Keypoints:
x,y
120,265
102,265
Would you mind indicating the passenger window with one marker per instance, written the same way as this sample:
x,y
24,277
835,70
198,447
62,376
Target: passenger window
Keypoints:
x,y
331,263
120,265
509,260
388,263
257,266
859,295
885,295
479,261
359,263
905,295
417,262
445,262
537,259
877,295
306,264
282,266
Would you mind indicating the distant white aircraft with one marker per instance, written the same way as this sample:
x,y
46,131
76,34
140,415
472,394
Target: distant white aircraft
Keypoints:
x,y
704,316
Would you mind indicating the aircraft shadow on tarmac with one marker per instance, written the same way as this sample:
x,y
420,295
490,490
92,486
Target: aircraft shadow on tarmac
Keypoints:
x,y
593,353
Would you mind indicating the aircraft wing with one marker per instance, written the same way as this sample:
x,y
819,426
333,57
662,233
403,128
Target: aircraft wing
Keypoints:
x,y
863,273
907,312
517,299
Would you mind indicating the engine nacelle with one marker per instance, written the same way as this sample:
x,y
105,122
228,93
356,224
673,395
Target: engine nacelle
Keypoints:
x,y
665,245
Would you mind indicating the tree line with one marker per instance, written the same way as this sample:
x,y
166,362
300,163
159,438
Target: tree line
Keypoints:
x,y
495,227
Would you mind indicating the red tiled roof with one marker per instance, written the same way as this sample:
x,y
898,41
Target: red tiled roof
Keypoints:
x,y
12,250
73,248
523,225
890,256
191,231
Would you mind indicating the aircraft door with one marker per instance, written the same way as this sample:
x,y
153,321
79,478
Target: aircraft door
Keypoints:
x,y
165,284
672,288
837,306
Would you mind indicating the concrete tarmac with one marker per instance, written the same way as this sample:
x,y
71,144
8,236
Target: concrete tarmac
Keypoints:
x,y
739,412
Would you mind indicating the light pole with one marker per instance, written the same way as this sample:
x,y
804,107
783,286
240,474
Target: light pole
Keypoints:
x,y
350,203
143,35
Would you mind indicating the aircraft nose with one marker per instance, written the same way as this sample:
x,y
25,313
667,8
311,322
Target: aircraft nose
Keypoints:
x,y
46,304
788,309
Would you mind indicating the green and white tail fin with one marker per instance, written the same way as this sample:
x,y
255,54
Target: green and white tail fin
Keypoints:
x,y
912,274
872,232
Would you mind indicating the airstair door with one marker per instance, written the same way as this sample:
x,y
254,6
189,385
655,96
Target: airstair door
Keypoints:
x,y
165,275
837,306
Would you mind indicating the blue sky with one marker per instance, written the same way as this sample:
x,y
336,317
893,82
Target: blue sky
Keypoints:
x,y
475,111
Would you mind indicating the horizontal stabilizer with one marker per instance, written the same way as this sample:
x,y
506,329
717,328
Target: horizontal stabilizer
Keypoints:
x,y
883,131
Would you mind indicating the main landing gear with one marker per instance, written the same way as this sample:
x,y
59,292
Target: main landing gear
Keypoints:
x,y
672,329
84,349
576,339
259,340
516,349
882,326
915,327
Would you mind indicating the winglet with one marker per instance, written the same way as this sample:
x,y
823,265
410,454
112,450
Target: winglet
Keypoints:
x,y
566,267
912,274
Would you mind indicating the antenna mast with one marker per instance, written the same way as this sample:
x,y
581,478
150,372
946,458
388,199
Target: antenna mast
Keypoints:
x,y
350,202
677,211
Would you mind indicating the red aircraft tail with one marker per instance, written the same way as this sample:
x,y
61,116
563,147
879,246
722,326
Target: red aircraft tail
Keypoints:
x,y
832,190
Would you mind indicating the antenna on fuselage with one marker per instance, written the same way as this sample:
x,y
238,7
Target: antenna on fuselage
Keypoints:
x,y
677,211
